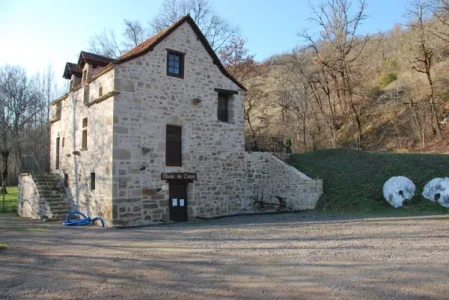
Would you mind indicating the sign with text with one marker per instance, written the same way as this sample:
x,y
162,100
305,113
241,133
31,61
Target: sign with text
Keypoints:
x,y
179,176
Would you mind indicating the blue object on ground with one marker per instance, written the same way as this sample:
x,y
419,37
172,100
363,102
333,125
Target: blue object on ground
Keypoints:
x,y
80,222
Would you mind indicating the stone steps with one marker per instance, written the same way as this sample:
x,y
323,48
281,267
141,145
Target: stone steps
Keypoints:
x,y
49,188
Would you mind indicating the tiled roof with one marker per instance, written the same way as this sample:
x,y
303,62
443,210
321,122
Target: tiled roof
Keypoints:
x,y
144,46
94,59
71,68
150,43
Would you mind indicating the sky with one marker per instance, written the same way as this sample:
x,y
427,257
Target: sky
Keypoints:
x,y
36,34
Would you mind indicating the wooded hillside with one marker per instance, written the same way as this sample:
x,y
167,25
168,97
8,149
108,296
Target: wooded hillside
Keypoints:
x,y
388,91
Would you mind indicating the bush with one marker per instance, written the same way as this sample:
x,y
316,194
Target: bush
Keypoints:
x,y
387,78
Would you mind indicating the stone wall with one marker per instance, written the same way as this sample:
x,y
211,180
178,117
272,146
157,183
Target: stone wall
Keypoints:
x,y
150,100
30,205
97,158
269,175
228,183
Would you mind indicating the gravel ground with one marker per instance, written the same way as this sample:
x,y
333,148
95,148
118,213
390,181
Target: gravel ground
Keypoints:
x,y
289,256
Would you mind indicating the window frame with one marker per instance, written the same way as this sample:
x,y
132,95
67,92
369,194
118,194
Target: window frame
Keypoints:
x,y
181,63
84,134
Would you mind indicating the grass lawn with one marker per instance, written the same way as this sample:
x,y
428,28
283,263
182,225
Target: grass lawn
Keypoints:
x,y
10,200
353,180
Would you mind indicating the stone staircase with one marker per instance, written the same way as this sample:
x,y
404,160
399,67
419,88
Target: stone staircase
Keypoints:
x,y
52,195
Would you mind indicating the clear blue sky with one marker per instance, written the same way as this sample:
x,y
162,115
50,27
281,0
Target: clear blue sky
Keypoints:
x,y
35,33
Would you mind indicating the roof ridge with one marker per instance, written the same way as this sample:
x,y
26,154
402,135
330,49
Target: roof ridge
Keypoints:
x,y
151,42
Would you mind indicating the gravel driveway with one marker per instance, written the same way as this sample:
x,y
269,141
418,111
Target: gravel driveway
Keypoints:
x,y
289,256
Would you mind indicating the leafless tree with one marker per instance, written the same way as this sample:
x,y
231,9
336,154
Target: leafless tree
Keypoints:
x,y
108,44
105,44
19,104
134,34
337,48
218,31
424,49
440,9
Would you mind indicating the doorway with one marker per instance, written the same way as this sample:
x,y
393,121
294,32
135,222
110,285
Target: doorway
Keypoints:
x,y
177,201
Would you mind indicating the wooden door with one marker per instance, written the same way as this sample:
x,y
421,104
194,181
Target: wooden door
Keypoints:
x,y
177,201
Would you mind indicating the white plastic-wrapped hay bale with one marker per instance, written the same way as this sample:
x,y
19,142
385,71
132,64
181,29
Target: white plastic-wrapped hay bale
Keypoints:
x,y
397,190
437,190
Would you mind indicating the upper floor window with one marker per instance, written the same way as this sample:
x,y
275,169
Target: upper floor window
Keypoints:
x,y
84,135
224,113
56,111
84,76
175,64
223,107
86,94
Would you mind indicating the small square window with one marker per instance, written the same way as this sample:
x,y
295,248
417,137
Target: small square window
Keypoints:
x,y
175,64
100,91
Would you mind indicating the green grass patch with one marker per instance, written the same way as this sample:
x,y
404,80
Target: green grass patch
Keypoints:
x,y
10,199
353,180
386,78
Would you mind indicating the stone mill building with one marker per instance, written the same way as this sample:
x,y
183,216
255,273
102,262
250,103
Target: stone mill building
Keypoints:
x,y
157,135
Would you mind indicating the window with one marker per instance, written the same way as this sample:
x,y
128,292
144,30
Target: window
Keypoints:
x,y
66,180
63,142
92,181
57,154
86,94
222,111
100,91
173,150
84,137
175,64
56,111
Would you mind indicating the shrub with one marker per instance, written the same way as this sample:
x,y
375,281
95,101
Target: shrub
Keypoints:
x,y
387,78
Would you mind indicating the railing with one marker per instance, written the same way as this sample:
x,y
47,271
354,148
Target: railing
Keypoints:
x,y
265,143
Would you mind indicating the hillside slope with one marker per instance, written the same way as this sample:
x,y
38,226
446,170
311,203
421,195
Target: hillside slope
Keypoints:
x,y
353,180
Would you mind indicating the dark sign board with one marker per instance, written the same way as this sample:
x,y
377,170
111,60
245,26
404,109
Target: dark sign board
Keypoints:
x,y
179,176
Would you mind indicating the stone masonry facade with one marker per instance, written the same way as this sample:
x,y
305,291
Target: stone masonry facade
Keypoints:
x,y
127,141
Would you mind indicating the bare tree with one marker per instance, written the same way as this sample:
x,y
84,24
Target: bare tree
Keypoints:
x,y
424,49
108,44
19,104
237,60
134,34
217,30
336,49
440,9
105,44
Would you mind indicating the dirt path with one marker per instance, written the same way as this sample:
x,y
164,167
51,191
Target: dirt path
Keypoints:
x,y
291,256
